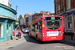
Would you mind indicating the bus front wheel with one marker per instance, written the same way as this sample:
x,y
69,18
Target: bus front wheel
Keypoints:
x,y
36,37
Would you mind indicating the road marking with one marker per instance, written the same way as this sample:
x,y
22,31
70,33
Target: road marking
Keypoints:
x,y
13,45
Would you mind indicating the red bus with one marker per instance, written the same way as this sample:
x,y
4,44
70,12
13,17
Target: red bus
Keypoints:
x,y
48,28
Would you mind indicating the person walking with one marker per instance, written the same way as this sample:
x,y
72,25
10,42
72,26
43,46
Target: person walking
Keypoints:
x,y
14,35
20,33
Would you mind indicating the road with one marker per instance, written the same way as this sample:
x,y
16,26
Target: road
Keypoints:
x,y
32,44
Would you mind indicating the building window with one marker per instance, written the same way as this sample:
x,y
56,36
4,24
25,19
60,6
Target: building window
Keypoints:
x,y
68,4
56,9
10,30
69,20
7,29
1,30
59,7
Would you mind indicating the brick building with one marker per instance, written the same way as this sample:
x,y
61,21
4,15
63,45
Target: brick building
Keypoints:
x,y
28,16
9,5
38,15
32,17
66,8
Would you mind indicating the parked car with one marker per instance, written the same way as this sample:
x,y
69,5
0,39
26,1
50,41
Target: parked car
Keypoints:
x,y
26,30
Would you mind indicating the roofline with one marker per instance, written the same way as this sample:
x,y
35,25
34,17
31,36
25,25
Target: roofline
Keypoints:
x,y
7,17
52,16
8,8
45,16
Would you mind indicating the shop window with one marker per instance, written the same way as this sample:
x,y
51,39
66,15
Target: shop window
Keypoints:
x,y
1,30
9,30
69,22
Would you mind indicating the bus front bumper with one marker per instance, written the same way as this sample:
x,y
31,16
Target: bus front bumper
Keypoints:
x,y
54,38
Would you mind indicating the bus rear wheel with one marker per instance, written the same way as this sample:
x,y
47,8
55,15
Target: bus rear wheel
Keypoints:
x,y
36,37
29,34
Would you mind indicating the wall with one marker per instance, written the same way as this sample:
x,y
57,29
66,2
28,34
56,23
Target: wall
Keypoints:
x,y
6,11
5,2
7,17
21,21
29,19
24,21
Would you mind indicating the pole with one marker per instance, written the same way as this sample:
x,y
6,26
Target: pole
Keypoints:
x,y
16,15
16,11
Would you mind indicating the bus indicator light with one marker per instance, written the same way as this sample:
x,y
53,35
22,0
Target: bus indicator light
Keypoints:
x,y
42,25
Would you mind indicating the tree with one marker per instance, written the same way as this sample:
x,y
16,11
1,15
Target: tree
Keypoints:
x,y
20,17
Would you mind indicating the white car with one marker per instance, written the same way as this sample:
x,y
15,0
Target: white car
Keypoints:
x,y
25,30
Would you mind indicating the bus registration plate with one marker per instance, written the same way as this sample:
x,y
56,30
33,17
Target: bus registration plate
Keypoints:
x,y
52,33
53,37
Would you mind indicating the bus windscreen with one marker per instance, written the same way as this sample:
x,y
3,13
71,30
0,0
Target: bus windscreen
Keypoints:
x,y
53,22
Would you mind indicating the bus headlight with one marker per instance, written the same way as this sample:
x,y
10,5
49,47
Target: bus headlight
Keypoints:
x,y
43,33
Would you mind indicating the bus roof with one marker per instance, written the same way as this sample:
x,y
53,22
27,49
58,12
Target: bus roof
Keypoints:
x,y
43,17
52,16
36,20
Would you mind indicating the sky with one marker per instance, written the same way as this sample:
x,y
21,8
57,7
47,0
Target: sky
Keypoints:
x,y
32,6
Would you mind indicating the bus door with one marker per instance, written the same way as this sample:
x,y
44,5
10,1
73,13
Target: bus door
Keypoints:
x,y
33,30
36,28
40,29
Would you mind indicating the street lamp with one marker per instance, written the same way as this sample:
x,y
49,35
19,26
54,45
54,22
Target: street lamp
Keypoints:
x,y
16,11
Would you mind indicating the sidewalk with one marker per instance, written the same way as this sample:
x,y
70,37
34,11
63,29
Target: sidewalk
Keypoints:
x,y
68,38
11,43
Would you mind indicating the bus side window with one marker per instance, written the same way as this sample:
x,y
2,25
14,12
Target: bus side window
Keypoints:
x,y
33,27
39,22
40,28
36,27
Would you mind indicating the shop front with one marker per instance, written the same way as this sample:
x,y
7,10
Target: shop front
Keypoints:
x,y
7,19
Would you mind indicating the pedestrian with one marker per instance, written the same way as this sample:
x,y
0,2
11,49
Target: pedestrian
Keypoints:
x,y
14,35
20,33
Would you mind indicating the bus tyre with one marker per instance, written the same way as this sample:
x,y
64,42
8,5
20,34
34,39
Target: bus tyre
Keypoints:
x,y
29,34
36,37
